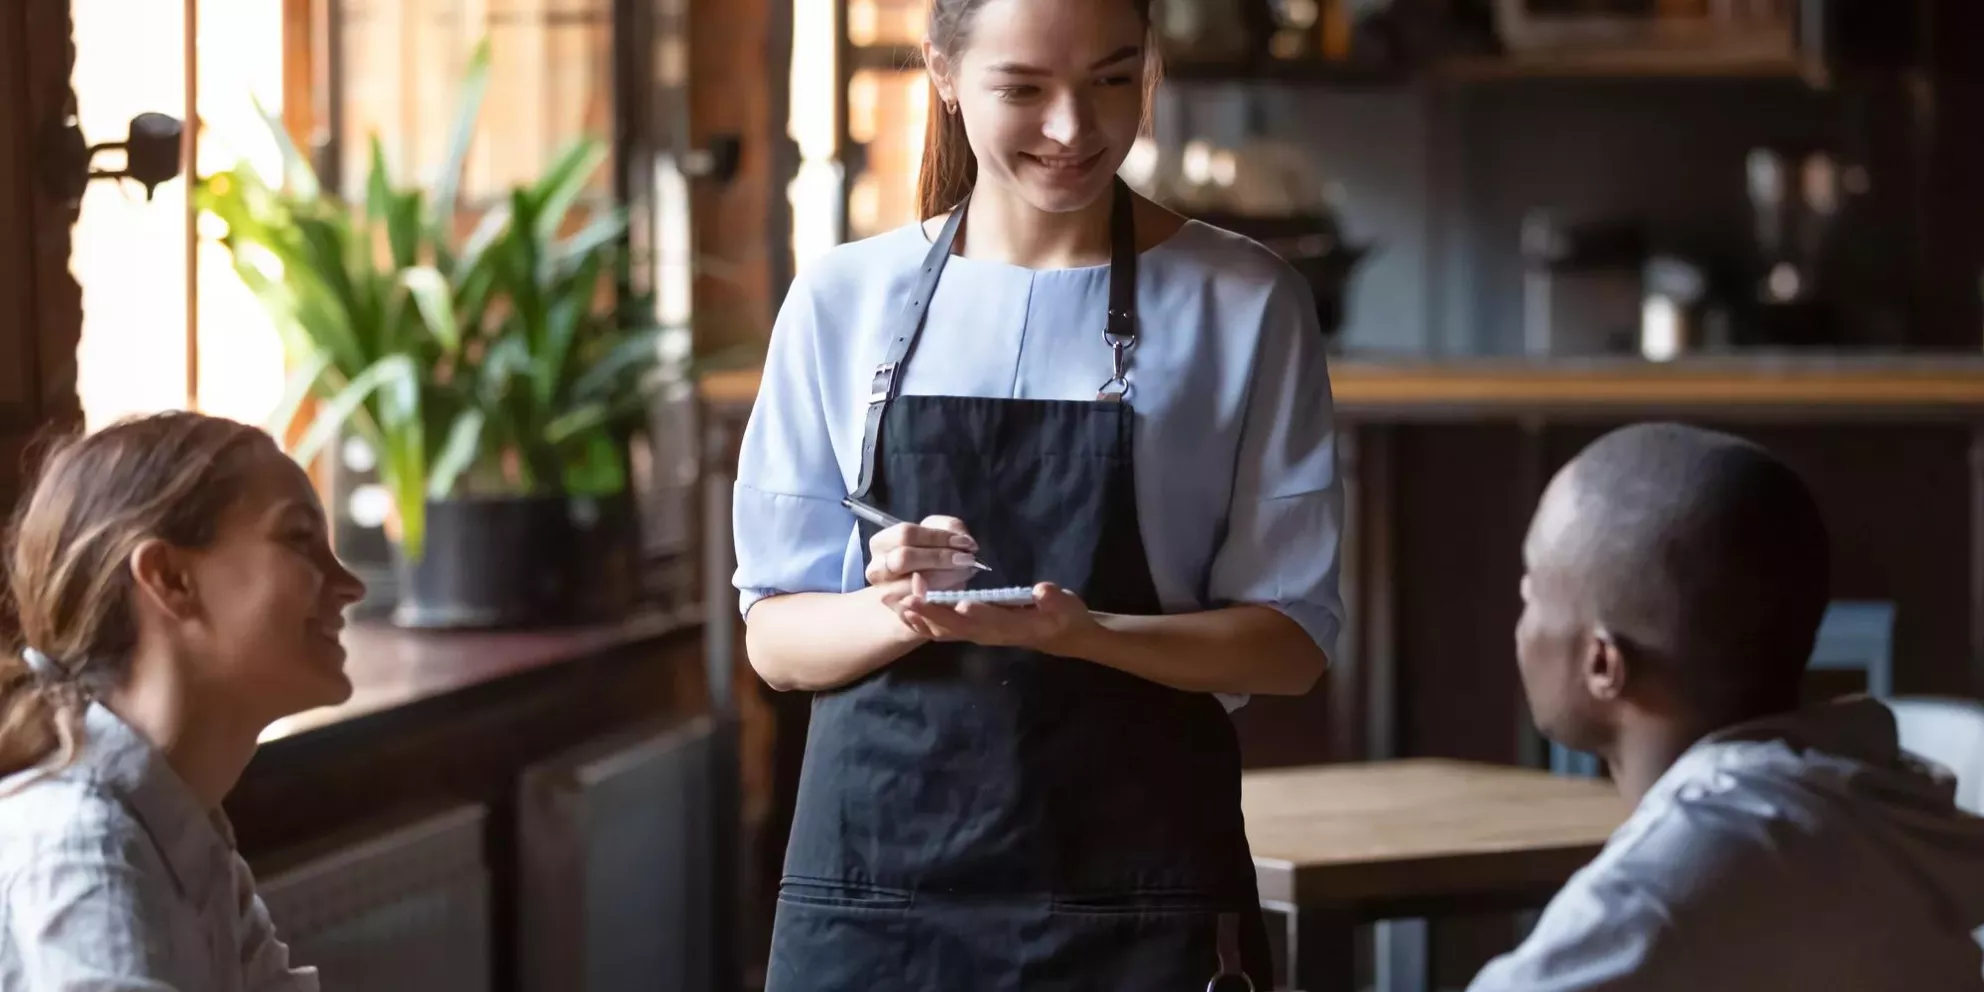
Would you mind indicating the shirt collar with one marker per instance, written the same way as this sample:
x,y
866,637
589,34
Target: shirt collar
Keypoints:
x,y
187,835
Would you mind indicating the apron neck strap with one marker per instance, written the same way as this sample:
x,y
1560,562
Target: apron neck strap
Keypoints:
x,y
1120,332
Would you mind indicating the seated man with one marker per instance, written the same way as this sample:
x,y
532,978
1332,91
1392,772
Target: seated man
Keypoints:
x,y
1675,580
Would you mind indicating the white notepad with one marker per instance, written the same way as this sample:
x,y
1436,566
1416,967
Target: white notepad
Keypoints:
x,y
1006,596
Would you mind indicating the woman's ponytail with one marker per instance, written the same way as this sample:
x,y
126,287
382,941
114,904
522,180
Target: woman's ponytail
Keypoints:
x,y
41,717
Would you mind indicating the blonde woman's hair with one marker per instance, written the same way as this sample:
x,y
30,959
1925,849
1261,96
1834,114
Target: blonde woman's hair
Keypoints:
x,y
97,498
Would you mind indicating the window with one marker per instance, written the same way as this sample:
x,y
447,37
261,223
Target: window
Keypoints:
x,y
168,324
397,65
144,348
859,157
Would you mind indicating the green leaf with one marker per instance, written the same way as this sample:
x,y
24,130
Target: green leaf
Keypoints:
x,y
403,228
563,183
487,231
569,312
461,135
391,371
508,356
634,355
572,423
298,175
589,242
437,308
596,466
378,183
301,384
457,453
402,472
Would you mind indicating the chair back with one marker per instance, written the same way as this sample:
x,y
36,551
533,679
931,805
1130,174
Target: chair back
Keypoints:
x,y
1949,732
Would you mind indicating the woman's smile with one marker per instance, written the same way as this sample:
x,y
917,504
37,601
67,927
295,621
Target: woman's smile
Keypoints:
x,y
1064,168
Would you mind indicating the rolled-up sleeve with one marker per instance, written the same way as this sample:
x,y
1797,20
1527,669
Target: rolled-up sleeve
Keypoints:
x,y
792,534
1285,522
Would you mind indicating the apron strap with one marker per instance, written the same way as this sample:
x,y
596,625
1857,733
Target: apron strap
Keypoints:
x,y
1120,333
1228,944
887,381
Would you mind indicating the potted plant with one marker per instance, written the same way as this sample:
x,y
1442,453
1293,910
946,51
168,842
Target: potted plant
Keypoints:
x,y
497,376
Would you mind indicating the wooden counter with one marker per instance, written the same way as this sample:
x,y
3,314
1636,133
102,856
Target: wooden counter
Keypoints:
x,y
484,800
392,670
1787,385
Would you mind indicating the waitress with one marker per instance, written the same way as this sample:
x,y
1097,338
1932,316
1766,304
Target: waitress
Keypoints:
x,y
1125,410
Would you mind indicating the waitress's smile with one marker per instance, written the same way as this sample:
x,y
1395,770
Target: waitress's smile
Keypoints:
x,y
1064,168
980,778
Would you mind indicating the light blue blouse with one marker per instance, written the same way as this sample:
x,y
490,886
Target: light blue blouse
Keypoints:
x,y
1236,478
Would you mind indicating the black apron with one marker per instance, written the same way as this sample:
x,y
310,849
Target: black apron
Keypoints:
x,y
974,818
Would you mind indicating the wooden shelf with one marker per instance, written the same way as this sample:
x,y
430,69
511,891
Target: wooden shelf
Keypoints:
x,y
1650,65
1678,64
1288,71
1776,385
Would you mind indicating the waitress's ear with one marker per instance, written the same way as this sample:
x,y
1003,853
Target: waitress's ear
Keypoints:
x,y
938,65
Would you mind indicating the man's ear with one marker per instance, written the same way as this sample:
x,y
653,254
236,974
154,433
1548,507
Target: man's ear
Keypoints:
x,y
161,578
1605,666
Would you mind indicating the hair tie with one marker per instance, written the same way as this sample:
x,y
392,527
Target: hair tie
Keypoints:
x,y
41,664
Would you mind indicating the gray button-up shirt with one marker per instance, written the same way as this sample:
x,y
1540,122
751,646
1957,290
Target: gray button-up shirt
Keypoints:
x,y
114,879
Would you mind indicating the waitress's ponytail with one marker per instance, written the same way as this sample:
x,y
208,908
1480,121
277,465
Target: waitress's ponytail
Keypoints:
x,y
949,167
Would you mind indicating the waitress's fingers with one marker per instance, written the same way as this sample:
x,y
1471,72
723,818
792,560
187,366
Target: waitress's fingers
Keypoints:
x,y
956,534
899,562
917,536
925,535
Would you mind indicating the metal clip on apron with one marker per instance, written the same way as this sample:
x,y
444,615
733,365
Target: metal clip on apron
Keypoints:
x,y
974,818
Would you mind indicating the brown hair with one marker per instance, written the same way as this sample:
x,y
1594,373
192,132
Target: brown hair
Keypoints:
x,y
168,476
949,169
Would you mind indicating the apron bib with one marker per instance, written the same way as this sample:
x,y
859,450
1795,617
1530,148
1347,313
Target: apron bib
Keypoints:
x,y
975,818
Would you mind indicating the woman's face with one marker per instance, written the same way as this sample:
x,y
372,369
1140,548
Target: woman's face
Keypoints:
x,y
271,596
1052,95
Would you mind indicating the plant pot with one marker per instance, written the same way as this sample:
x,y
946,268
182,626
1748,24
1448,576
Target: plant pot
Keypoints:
x,y
533,561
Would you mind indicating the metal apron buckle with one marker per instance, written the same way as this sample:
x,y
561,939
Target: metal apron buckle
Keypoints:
x,y
1118,385
1231,977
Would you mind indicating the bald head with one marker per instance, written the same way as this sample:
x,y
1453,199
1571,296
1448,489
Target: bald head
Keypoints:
x,y
1696,551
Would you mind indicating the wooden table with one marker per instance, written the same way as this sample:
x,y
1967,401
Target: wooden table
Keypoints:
x,y
1336,846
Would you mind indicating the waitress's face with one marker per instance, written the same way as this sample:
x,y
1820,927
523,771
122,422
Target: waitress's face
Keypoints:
x,y
1052,95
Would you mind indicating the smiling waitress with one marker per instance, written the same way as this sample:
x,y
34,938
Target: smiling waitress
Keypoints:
x,y
1126,410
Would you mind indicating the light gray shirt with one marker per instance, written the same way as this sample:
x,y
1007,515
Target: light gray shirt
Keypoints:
x,y
1802,852
1238,497
114,879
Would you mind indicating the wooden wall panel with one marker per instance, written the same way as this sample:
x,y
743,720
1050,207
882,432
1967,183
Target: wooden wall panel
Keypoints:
x,y
40,303
740,60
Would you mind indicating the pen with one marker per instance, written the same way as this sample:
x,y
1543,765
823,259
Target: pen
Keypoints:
x,y
880,519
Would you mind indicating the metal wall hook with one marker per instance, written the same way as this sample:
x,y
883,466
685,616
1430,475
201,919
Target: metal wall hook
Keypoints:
x,y
151,156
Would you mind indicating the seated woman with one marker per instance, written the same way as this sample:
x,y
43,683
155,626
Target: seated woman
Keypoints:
x,y
176,593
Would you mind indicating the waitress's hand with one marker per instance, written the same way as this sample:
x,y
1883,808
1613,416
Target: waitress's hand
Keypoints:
x,y
1055,616
939,549
936,552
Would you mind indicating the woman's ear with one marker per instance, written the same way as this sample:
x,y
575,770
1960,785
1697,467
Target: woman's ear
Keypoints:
x,y
1605,666
939,68
160,575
